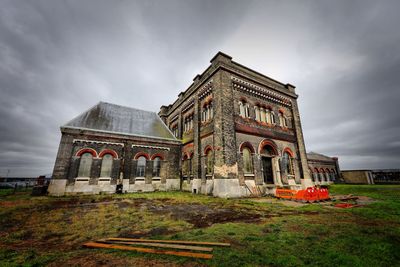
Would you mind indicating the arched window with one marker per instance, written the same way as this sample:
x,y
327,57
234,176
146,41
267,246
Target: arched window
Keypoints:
x,y
156,166
327,174
257,112
263,115
322,175
288,163
209,162
141,166
316,175
244,109
272,116
85,165
282,120
333,174
207,114
247,161
312,174
106,165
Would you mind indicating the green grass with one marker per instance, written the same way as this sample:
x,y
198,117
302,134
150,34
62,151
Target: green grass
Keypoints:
x,y
38,231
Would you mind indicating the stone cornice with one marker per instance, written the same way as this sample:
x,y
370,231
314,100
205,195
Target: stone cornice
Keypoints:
x,y
265,93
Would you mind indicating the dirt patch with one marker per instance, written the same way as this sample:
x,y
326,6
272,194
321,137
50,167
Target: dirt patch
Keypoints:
x,y
91,259
203,215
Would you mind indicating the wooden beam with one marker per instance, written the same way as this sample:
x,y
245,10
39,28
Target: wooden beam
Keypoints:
x,y
160,245
149,250
170,241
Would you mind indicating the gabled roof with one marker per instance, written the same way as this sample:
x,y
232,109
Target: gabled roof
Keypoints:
x,y
106,117
316,156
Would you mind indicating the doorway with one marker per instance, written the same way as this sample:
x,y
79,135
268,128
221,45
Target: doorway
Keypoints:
x,y
267,170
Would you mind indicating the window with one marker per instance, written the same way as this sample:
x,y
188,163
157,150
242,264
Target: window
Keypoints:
x,y
85,165
188,123
209,162
263,115
207,113
288,164
282,120
106,165
257,112
141,166
174,130
247,161
272,117
244,109
156,166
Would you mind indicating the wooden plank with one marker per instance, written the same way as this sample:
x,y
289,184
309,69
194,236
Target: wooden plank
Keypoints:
x,y
149,250
170,241
160,245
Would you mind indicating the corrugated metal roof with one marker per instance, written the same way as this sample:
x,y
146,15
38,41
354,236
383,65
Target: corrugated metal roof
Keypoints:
x,y
113,118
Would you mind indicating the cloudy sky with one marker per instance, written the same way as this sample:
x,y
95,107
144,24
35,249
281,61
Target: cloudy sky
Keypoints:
x,y
58,58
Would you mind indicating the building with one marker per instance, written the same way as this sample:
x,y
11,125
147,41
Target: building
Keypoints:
x,y
324,170
357,177
233,131
109,145
378,176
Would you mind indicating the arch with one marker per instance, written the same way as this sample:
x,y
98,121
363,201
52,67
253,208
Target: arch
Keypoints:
x,y
108,151
327,170
316,170
269,143
106,165
322,170
87,150
243,99
185,155
208,147
333,171
157,155
248,145
289,151
139,154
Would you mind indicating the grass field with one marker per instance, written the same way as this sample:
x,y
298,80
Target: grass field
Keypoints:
x,y
49,231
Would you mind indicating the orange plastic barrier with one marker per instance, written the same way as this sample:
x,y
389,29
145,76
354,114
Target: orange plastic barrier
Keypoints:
x,y
285,193
311,194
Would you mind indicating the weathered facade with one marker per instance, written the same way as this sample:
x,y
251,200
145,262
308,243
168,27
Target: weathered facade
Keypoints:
x,y
234,131
110,145
240,132
324,170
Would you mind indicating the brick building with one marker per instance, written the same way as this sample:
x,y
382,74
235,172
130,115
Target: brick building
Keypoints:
x,y
233,131
324,170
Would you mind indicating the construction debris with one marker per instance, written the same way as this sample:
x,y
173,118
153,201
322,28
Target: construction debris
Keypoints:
x,y
135,244
149,250
159,245
170,241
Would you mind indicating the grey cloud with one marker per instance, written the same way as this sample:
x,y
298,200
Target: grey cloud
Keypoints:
x,y
58,58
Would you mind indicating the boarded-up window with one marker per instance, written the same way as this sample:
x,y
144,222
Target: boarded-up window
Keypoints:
x,y
288,163
141,166
106,166
247,161
85,165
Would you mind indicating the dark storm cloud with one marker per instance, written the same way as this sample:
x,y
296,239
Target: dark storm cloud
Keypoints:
x,y
58,58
